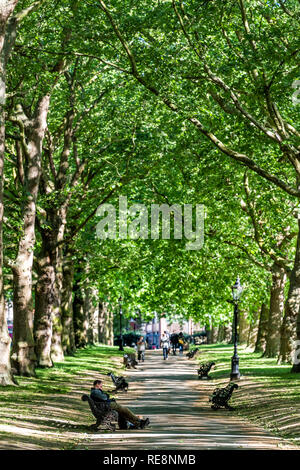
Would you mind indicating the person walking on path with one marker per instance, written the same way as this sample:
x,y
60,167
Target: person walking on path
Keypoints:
x,y
97,394
181,343
141,349
165,343
174,342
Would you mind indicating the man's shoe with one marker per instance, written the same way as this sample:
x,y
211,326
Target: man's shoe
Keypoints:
x,y
144,423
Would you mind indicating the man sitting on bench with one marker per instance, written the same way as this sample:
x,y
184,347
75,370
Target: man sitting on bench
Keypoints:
x,y
97,394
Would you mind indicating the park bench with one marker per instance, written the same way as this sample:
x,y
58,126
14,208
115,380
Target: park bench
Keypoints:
x,y
119,382
130,361
221,396
204,370
104,415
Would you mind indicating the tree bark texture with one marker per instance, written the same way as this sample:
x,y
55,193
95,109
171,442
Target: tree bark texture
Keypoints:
x,y
80,317
105,324
44,299
23,354
253,330
290,326
243,327
68,339
261,339
276,311
92,313
6,10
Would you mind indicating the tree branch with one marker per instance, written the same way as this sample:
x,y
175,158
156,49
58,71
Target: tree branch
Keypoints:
x,y
239,157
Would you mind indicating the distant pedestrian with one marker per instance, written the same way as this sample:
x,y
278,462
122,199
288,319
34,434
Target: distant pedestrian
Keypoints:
x,y
174,342
141,346
165,344
181,343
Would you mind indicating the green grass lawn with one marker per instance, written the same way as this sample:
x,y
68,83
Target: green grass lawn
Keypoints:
x,y
46,411
268,393
58,379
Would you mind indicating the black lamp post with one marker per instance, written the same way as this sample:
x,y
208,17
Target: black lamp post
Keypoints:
x,y
121,335
237,290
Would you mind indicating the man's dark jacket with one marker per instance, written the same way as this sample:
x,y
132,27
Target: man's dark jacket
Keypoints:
x,y
98,395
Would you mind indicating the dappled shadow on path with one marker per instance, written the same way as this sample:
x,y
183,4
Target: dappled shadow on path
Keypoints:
x,y
168,392
176,402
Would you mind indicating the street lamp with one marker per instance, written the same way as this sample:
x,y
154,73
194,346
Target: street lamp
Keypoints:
x,y
237,290
121,335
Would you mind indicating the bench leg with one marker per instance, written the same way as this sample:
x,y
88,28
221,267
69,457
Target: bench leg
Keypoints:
x,y
215,407
228,407
96,425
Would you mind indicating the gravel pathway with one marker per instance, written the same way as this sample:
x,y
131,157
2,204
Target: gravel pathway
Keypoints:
x,y
170,394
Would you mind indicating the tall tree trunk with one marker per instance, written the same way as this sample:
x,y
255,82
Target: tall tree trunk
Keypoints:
x,y
296,348
227,333
110,339
253,330
68,339
290,327
23,356
276,311
48,327
243,327
51,286
214,334
44,299
287,337
105,324
57,353
80,318
221,334
59,223
6,378
208,333
261,339
92,312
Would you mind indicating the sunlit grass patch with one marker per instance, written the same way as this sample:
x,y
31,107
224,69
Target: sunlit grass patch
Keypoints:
x,y
45,401
268,394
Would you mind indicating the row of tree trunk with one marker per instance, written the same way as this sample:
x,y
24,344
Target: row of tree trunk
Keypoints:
x,y
67,316
48,321
272,328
